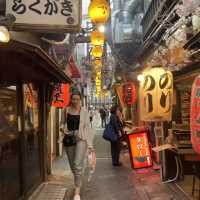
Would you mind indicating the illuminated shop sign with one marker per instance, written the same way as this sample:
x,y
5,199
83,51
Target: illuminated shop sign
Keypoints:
x,y
140,150
156,95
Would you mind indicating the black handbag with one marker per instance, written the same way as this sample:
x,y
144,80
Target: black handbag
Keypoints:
x,y
69,139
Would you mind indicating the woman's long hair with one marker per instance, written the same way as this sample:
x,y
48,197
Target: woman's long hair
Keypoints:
x,y
114,108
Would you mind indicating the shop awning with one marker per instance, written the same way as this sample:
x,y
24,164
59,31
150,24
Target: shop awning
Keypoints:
x,y
24,62
74,68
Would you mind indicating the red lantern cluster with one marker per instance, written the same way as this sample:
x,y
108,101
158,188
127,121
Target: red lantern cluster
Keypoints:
x,y
61,95
129,93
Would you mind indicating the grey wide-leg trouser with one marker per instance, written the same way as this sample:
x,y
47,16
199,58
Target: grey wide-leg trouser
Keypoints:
x,y
76,156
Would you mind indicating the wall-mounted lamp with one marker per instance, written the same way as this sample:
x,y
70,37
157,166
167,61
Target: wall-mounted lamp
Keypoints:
x,y
4,34
6,23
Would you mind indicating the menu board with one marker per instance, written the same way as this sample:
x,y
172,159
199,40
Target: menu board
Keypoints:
x,y
185,106
139,150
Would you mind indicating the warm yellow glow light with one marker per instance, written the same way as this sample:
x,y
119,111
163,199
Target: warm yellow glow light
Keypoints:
x,y
97,38
99,11
97,62
101,28
97,51
140,77
4,34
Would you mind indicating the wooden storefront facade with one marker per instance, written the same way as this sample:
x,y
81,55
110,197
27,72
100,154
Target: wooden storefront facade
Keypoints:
x,y
26,81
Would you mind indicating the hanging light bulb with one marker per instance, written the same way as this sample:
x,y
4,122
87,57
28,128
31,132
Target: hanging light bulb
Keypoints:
x,y
4,34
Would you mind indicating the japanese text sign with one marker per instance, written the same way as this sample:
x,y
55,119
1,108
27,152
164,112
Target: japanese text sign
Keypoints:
x,y
140,150
156,95
45,15
61,95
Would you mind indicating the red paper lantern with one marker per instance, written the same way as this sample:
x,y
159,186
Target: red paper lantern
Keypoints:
x,y
129,93
61,95
195,115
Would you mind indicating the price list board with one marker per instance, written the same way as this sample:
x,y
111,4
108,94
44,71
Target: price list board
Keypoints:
x,y
140,151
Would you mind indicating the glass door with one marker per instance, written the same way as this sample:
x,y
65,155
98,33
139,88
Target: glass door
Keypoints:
x,y
9,145
32,137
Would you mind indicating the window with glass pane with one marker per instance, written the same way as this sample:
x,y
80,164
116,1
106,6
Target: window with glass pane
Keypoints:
x,y
9,145
31,116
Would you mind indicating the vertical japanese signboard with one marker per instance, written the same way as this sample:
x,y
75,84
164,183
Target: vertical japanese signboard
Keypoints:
x,y
61,95
45,15
140,150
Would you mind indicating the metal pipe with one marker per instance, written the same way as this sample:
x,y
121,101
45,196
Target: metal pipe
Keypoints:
x,y
130,9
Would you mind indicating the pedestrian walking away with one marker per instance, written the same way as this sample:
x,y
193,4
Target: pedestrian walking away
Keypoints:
x,y
117,124
91,114
77,139
103,117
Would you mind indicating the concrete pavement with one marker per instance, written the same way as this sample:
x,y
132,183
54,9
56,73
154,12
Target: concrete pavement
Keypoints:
x,y
114,183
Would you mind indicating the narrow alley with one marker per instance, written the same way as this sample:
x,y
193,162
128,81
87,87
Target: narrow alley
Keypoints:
x,y
109,182
99,99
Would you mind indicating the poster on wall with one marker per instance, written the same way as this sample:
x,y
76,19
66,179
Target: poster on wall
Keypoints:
x,y
140,150
195,115
156,95
45,15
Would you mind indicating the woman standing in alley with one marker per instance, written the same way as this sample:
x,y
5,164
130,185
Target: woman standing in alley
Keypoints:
x,y
117,124
75,125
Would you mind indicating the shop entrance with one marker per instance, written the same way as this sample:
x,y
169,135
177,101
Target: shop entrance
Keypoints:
x,y
20,141
32,137
9,145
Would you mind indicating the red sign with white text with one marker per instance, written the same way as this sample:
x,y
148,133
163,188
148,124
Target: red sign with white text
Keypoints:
x,y
61,95
140,150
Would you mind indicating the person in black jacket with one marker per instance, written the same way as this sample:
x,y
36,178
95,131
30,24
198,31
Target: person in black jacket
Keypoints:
x,y
116,122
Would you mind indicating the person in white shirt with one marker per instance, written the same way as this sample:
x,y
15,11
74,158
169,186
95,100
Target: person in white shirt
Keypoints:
x,y
75,122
